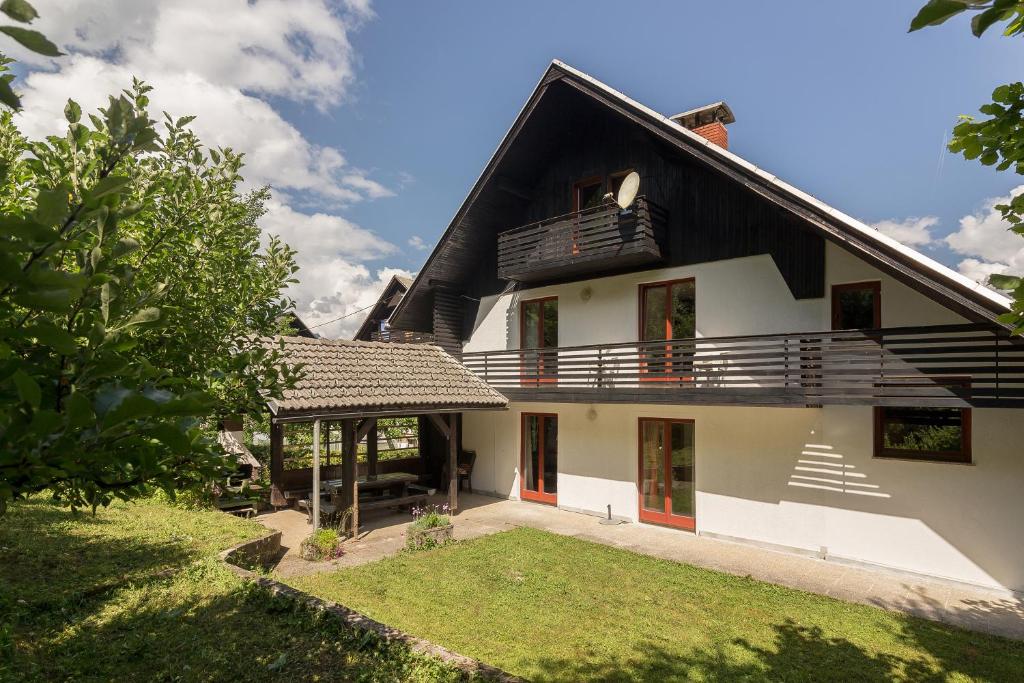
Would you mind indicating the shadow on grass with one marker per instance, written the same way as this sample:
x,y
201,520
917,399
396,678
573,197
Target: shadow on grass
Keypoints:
x,y
200,625
802,653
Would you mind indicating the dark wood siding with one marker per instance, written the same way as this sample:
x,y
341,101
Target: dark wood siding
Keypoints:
x,y
448,314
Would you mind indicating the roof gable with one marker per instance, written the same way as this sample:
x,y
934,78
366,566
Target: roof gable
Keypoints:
x,y
936,281
396,287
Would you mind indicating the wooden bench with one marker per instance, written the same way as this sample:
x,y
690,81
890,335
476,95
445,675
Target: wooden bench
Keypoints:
x,y
392,502
327,510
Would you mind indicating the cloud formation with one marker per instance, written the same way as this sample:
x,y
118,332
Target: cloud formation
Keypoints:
x,y
913,231
984,237
227,62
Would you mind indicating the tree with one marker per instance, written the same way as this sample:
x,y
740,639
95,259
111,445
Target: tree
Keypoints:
x,y
133,299
999,139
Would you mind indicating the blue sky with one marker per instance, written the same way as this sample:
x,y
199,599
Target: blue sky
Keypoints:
x,y
409,100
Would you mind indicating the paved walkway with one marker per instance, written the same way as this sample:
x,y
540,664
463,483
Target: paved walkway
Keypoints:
x,y
962,605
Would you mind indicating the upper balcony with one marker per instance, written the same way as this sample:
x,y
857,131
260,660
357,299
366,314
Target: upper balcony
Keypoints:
x,y
936,366
401,337
589,241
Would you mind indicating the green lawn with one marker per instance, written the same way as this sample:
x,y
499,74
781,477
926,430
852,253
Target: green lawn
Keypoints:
x,y
86,598
550,607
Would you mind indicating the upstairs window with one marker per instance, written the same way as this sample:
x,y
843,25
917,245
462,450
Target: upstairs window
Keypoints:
x,y
930,434
587,194
857,306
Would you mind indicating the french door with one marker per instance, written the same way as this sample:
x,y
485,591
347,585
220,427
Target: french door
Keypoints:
x,y
538,336
538,469
666,472
668,313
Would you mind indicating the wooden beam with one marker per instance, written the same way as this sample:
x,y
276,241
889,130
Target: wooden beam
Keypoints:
x,y
316,475
371,451
327,439
276,457
453,463
439,423
365,427
348,473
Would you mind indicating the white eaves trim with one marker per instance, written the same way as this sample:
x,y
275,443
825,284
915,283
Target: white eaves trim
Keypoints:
x,y
867,231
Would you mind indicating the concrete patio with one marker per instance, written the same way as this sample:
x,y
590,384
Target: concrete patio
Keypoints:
x,y
975,608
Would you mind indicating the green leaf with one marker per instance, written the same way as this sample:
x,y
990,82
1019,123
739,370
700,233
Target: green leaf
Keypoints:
x,y
982,21
172,437
146,315
1005,281
108,185
936,12
19,10
28,390
8,96
79,410
72,112
53,300
51,335
33,40
51,205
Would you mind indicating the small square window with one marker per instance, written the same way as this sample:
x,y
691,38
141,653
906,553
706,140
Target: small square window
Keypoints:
x,y
857,306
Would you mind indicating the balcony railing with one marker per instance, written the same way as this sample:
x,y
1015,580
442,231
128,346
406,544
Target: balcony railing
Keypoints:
x,y
940,366
402,337
592,240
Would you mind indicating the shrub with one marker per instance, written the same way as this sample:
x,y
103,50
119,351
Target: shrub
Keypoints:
x,y
427,518
322,544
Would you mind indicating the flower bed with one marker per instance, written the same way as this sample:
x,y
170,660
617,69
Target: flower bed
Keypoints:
x,y
322,544
432,527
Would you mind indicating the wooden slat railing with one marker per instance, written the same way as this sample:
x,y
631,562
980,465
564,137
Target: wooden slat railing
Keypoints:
x,y
592,238
402,337
947,365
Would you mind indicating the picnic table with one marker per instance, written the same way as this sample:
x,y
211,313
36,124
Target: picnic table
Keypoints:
x,y
384,490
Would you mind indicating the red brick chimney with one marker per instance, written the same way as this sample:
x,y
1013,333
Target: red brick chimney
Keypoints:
x,y
708,122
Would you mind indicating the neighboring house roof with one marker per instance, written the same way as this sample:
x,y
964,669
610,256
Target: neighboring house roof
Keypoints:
x,y
389,297
297,325
937,281
352,377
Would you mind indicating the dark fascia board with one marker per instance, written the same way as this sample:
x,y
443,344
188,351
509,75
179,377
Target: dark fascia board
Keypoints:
x,y
393,286
899,261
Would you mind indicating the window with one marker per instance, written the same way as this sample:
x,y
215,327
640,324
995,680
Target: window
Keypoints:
x,y
935,434
539,462
668,311
587,194
857,306
666,478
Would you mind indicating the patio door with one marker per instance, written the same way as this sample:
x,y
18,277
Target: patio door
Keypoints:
x,y
668,312
538,480
666,472
538,334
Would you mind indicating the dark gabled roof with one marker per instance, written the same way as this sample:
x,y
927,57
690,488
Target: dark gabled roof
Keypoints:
x,y
352,377
392,293
297,325
957,292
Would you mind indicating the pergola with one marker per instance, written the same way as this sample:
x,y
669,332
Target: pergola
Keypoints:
x,y
354,383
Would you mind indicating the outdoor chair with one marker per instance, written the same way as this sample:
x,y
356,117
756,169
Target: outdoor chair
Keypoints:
x,y
465,468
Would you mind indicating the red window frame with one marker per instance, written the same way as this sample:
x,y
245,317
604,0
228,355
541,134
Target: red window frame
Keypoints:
x,y
664,371
538,496
876,289
666,518
532,371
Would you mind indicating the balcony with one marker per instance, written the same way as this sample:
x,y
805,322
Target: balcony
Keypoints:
x,y
937,366
589,241
401,337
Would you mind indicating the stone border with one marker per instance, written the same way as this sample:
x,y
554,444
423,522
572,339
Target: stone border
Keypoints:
x,y
262,551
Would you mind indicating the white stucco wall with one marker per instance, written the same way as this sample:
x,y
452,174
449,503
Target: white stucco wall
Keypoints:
x,y
801,478
736,296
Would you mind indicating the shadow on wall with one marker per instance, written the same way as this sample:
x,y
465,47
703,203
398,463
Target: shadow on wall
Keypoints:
x,y
934,653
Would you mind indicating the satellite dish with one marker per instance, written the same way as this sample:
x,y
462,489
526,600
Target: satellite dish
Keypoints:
x,y
628,189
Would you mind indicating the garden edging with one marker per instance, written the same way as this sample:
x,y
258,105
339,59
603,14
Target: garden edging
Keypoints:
x,y
261,550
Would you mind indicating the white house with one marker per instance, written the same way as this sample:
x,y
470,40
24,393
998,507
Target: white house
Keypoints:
x,y
727,355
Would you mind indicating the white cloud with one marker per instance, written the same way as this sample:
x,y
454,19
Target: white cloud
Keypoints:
x,y
221,60
984,237
416,242
913,231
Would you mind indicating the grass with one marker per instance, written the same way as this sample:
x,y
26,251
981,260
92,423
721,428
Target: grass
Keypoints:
x,y
136,594
554,608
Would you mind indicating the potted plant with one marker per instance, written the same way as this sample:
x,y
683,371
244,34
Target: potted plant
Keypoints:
x,y
431,527
322,544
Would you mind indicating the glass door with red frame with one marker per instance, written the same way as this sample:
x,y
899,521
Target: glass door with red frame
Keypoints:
x,y
539,338
667,473
668,312
538,479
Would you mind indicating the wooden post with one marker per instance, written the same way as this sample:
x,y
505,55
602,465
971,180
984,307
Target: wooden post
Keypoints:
x,y
277,498
316,474
371,451
327,440
453,463
348,472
